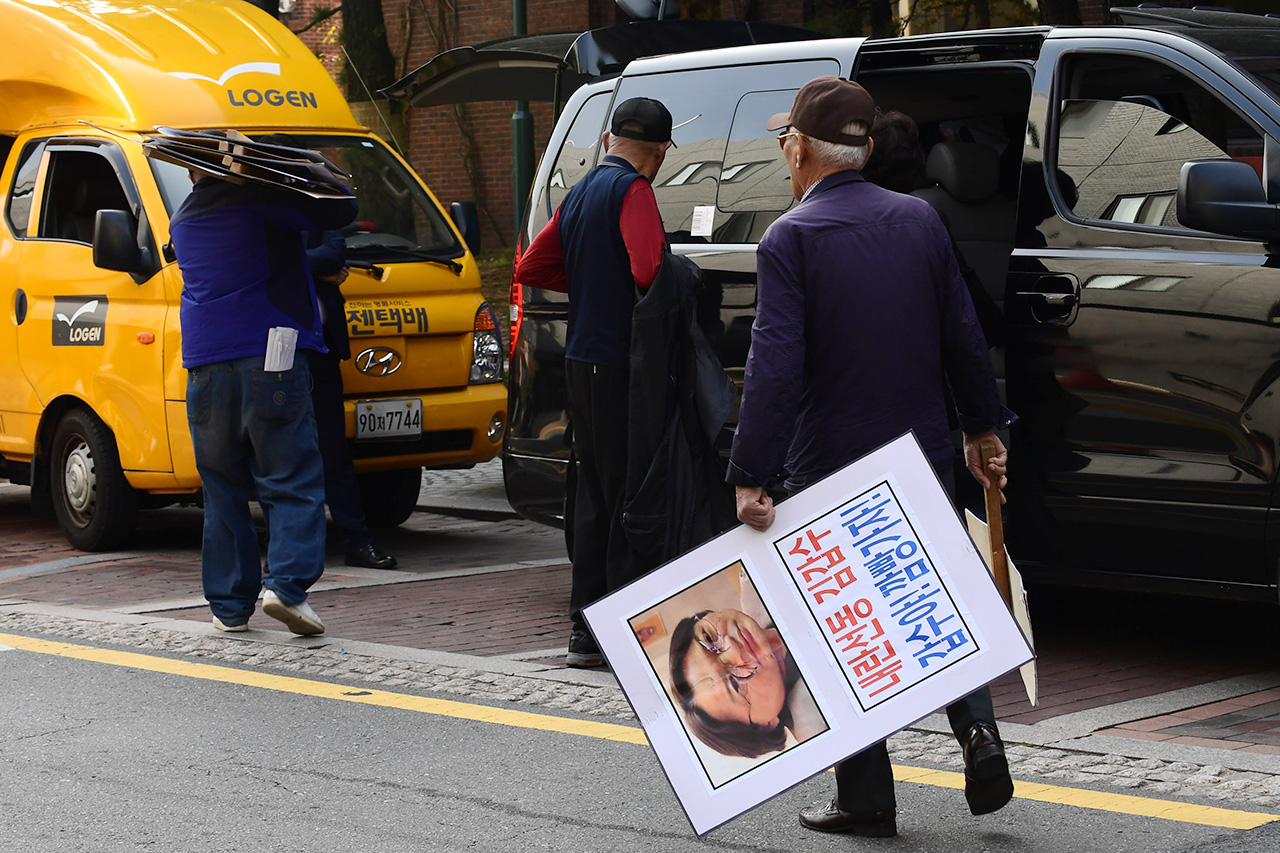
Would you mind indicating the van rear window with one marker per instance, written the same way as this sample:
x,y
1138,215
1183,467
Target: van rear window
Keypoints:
x,y
726,180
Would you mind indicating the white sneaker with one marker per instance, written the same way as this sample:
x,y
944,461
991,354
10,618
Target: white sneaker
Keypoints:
x,y
298,618
230,629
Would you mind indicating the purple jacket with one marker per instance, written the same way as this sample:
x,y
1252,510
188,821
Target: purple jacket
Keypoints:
x,y
862,322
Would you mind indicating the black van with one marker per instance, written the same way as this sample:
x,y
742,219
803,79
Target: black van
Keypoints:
x,y
1117,189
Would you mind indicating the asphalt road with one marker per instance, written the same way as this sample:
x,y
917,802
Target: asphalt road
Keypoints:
x,y
103,751
105,755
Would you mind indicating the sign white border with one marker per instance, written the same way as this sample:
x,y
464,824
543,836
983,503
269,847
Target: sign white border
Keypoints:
x,y
849,726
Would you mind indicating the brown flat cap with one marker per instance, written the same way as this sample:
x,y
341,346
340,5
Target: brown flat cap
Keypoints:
x,y
822,108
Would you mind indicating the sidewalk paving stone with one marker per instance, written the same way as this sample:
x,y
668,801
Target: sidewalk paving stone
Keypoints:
x,y
514,615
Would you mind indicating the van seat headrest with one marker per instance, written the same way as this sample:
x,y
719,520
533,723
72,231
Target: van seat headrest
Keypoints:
x,y
969,172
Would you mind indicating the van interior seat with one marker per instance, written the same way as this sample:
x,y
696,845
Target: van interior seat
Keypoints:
x,y
982,222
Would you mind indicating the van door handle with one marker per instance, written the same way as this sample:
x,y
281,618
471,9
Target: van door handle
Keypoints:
x,y
1055,299
1051,300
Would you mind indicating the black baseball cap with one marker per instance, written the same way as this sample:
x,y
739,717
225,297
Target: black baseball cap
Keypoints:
x,y
653,118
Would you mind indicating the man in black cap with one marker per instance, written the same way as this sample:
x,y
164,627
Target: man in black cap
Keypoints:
x,y
862,322
603,246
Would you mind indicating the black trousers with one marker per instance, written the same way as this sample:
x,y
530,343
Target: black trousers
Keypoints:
x,y
340,490
864,783
598,403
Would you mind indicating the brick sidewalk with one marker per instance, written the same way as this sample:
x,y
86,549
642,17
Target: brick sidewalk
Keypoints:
x,y
504,613
1250,723
525,612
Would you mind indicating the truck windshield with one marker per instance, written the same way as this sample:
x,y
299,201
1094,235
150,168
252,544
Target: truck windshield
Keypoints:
x,y
397,219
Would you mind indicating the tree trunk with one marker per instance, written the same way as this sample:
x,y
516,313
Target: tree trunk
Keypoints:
x,y
370,63
881,18
1060,11
982,14
271,7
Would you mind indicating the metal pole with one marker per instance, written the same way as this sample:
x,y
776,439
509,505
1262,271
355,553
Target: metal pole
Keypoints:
x,y
521,134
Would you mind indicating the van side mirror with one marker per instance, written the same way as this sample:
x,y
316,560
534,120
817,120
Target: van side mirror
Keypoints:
x,y
465,216
1226,197
115,245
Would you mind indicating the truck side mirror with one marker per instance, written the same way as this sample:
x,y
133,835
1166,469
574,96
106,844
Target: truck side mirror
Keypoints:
x,y
115,245
1226,197
464,215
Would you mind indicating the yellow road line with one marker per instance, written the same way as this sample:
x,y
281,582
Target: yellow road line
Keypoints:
x,y
325,690
1074,797
1083,798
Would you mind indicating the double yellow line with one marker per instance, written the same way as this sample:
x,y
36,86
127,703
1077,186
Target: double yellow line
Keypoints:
x,y
1074,797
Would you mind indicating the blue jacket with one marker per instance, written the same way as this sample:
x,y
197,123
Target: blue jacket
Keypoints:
x,y
862,322
602,291
244,267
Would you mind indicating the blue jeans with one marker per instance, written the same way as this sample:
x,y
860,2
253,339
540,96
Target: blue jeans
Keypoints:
x,y
254,431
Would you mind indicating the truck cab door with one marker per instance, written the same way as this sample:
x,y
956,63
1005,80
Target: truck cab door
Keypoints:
x,y
19,408
91,333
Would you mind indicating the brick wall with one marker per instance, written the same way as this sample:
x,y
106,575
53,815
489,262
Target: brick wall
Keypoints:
x,y
1093,12
465,152
476,164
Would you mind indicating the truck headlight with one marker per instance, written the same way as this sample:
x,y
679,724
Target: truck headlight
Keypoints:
x,y
487,356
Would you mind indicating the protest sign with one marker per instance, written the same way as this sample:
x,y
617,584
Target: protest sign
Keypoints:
x,y
760,658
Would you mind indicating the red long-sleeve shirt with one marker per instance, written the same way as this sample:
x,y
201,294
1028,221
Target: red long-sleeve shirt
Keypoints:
x,y
542,265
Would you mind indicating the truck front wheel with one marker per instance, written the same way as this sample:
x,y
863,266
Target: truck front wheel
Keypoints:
x,y
94,503
390,497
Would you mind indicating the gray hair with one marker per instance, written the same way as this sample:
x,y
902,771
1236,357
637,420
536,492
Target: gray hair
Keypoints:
x,y
841,156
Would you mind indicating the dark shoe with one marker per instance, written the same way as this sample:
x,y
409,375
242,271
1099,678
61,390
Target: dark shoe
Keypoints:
x,y
369,557
831,818
583,651
987,785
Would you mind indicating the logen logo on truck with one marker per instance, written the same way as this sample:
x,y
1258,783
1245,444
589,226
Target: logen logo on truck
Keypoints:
x,y
254,97
79,322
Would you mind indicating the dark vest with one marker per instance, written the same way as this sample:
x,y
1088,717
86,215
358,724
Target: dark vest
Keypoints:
x,y
598,268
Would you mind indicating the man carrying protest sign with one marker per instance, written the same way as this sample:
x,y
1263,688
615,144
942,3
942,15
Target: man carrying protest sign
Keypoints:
x,y
862,323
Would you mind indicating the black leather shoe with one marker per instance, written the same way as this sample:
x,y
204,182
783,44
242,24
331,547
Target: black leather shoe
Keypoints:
x,y
987,786
831,818
369,557
583,653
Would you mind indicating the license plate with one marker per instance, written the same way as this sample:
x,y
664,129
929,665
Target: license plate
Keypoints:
x,y
388,418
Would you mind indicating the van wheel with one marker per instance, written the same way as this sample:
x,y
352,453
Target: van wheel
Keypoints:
x,y
94,503
390,497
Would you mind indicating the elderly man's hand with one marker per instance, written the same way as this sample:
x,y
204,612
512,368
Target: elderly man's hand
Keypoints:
x,y
755,507
997,466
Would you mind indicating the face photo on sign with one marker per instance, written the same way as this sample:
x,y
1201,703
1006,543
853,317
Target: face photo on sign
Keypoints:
x,y
726,669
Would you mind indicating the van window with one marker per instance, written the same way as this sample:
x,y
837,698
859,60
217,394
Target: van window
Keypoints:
x,y
755,184
755,175
704,106
578,153
79,184
18,210
1127,128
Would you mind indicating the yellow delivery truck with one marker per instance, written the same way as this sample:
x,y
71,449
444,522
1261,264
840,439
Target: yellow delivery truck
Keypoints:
x,y
92,409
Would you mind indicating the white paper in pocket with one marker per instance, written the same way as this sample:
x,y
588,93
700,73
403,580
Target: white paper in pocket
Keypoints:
x,y
281,341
